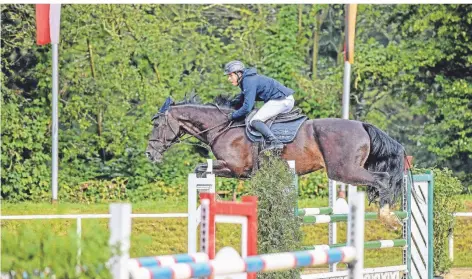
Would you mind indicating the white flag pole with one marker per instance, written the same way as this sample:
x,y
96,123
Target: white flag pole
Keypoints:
x,y
54,23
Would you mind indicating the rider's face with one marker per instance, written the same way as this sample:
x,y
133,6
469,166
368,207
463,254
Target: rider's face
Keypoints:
x,y
233,78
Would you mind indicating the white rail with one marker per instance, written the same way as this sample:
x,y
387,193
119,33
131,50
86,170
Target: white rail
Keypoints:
x,y
451,236
79,218
91,216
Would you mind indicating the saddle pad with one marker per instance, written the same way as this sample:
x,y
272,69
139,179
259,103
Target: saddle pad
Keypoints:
x,y
284,131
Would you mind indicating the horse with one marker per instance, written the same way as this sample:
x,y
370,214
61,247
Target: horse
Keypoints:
x,y
352,152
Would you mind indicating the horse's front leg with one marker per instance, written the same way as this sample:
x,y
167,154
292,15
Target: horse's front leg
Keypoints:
x,y
220,169
200,169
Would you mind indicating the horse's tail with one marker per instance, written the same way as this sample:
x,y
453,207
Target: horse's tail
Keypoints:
x,y
386,155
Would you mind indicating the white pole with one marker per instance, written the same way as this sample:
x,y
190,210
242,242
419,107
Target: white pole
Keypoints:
x,y
55,119
192,213
451,247
205,227
332,227
120,233
346,92
195,186
351,10
79,238
346,89
54,23
356,238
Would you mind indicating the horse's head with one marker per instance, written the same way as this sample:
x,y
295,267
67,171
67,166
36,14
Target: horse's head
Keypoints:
x,y
165,132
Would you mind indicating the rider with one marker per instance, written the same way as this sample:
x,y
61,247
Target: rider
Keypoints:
x,y
277,99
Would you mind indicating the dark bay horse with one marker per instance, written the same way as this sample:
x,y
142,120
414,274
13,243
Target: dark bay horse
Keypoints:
x,y
352,152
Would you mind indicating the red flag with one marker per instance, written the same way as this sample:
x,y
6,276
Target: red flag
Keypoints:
x,y
47,23
43,35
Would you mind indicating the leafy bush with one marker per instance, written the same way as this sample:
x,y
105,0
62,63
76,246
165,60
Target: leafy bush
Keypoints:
x,y
37,250
446,188
96,191
278,227
313,185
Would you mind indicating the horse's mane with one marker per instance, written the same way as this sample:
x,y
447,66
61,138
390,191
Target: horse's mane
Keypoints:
x,y
222,100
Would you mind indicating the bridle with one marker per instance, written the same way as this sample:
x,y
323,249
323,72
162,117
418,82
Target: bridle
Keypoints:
x,y
179,134
164,141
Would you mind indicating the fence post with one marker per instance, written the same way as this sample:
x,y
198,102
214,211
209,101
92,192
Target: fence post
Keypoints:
x,y
120,233
356,236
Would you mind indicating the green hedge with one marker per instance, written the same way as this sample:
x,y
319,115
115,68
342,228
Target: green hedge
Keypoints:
x,y
278,227
39,251
446,188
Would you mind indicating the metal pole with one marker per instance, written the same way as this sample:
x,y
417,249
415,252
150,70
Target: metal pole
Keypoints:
x,y
192,214
55,119
346,89
351,10
79,238
451,247
332,227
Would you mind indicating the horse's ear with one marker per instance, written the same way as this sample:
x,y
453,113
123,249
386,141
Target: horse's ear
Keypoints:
x,y
166,105
155,116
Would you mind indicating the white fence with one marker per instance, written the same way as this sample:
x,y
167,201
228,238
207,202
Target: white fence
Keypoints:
x,y
79,217
451,236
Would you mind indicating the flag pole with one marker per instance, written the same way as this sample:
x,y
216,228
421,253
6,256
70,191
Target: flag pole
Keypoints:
x,y
55,22
55,120
349,33
351,10
48,21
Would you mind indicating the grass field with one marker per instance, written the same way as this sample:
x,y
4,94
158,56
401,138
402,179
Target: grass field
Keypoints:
x,y
169,236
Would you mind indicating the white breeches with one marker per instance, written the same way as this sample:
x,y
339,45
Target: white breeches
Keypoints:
x,y
273,108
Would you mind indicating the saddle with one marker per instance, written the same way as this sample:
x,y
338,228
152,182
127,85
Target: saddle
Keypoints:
x,y
285,126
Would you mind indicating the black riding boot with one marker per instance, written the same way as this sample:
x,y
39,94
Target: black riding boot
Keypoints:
x,y
271,140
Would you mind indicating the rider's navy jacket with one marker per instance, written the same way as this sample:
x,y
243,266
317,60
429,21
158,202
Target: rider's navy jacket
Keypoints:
x,y
258,87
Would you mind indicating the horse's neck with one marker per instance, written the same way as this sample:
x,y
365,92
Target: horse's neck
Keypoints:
x,y
197,119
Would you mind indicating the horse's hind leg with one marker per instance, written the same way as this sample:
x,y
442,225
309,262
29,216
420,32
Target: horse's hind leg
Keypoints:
x,y
356,175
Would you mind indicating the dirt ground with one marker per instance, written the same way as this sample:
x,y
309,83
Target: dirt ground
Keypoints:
x,y
460,273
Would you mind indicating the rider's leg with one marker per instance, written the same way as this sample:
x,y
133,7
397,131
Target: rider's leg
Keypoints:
x,y
267,111
270,138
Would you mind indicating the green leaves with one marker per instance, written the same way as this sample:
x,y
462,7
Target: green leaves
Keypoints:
x,y
39,250
278,227
413,77
118,63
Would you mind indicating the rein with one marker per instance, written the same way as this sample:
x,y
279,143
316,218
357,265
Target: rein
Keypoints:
x,y
180,136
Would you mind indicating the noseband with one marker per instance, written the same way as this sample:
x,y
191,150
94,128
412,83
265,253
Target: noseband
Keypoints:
x,y
164,141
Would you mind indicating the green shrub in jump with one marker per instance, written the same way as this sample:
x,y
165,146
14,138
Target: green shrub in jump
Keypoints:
x,y
446,189
278,227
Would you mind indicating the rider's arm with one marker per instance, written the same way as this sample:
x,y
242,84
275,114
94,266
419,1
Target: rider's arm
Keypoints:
x,y
237,100
249,100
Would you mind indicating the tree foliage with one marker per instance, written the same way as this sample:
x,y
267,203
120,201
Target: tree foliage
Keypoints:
x,y
118,63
